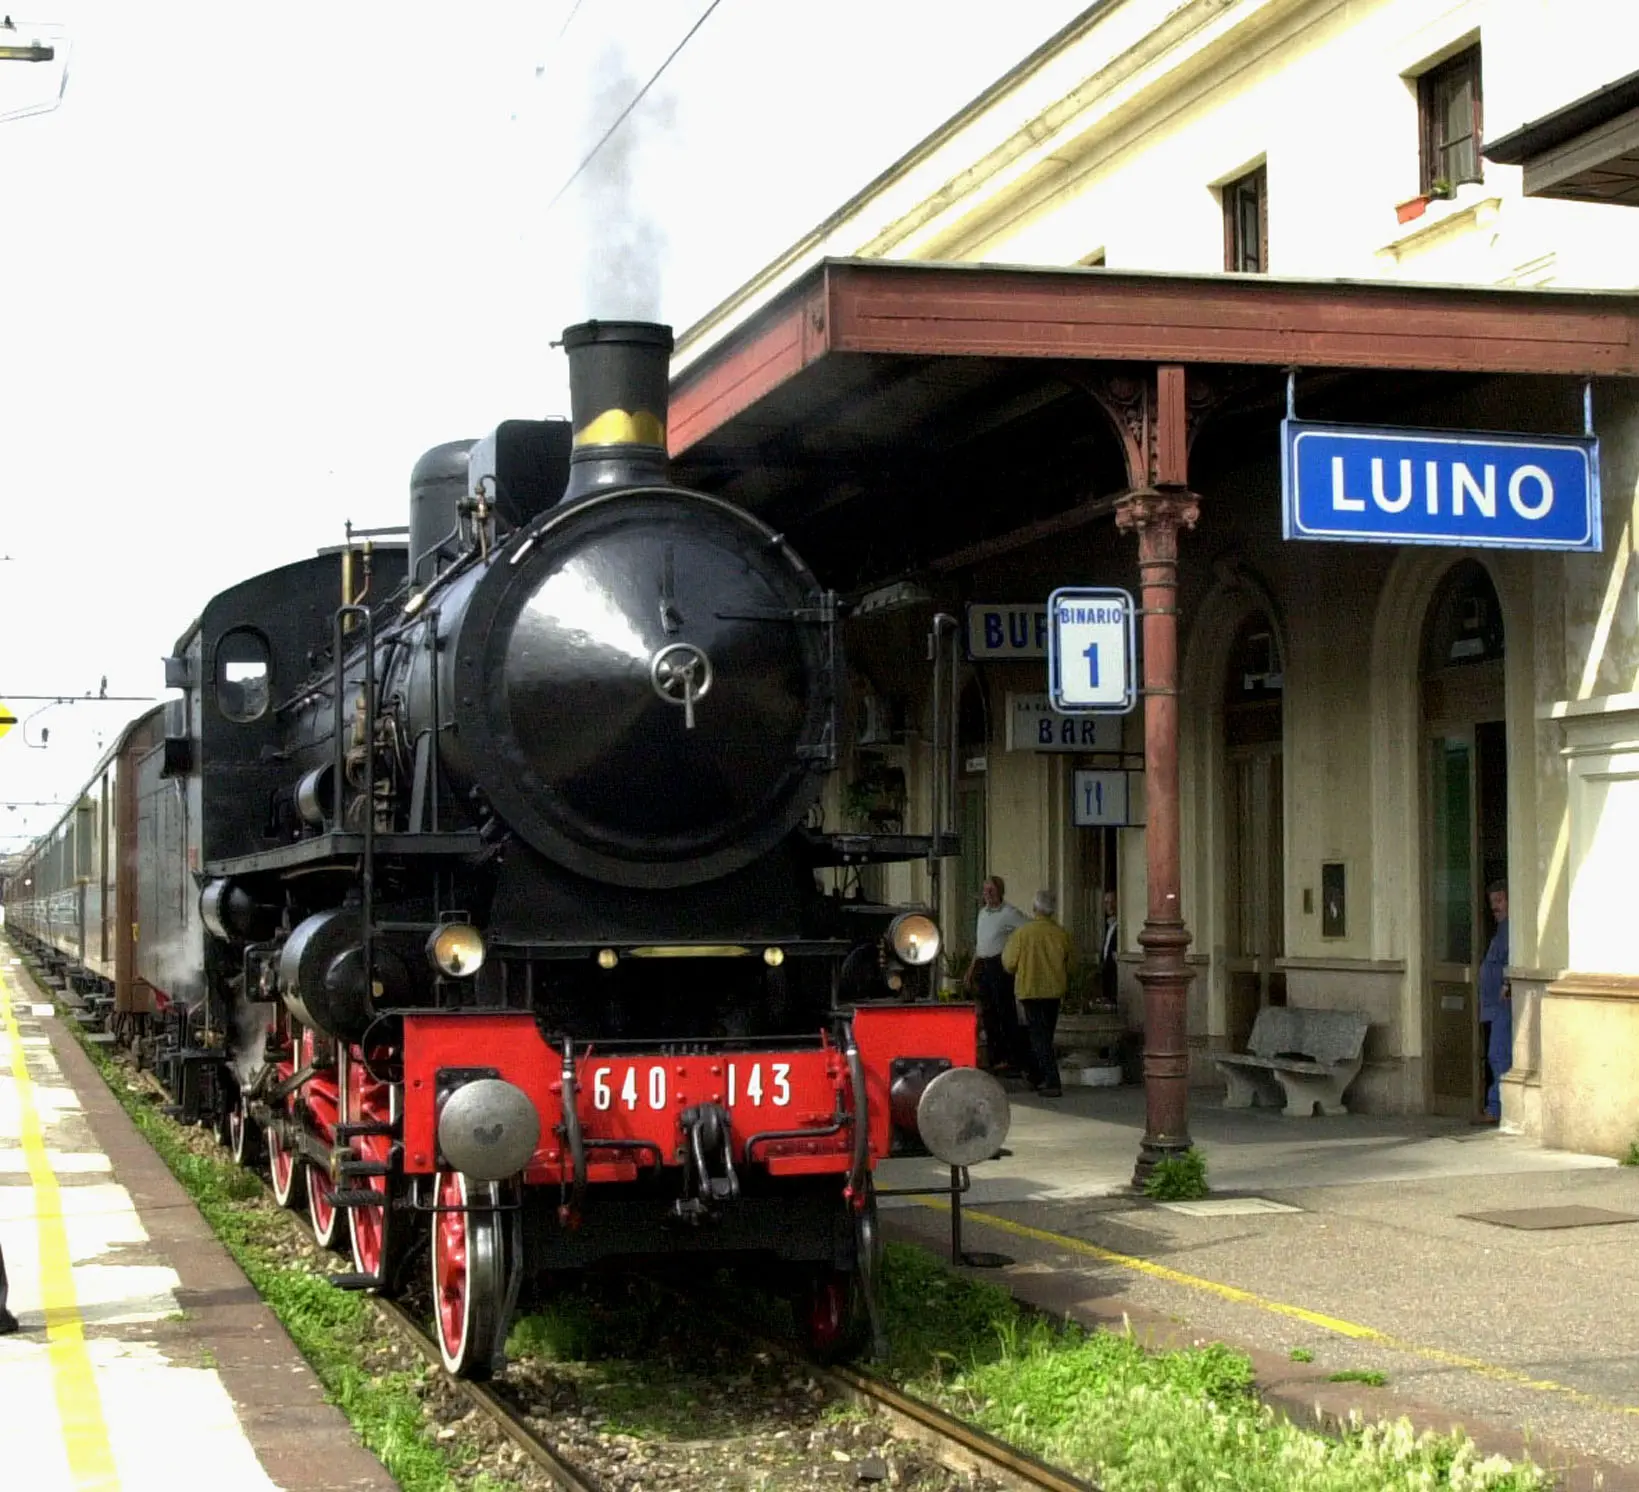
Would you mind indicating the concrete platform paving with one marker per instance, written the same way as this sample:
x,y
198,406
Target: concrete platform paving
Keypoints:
x,y
1366,1260
145,1358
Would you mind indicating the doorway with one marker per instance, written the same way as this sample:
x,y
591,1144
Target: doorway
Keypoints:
x,y
1254,819
1465,818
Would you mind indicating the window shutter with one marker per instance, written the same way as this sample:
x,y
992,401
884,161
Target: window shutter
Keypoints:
x,y
1263,219
1479,113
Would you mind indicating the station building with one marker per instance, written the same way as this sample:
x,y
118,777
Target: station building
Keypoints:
x,y
1107,280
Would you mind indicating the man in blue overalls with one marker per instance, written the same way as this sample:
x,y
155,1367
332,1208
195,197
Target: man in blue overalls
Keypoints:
x,y
1496,1014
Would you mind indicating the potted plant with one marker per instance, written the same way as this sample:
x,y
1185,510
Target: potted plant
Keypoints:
x,y
1440,190
1087,1023
875,799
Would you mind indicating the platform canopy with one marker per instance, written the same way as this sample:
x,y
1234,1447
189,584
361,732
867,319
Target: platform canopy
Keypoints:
x,y
952,402
1587,151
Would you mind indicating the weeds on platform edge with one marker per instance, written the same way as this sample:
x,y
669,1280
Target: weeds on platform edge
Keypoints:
x,y
1178,1178
330,1327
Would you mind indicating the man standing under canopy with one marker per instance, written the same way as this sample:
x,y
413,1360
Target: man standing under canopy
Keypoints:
x,y
1496,1010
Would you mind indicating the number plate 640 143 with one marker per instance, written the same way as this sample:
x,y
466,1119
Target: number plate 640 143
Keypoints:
x,y
646,1085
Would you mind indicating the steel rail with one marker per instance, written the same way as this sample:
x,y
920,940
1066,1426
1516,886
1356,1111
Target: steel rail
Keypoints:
x,y
957,1444
971,1449
488,1403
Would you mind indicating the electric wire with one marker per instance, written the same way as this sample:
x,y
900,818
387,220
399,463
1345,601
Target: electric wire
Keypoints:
x,y
621,118
568,20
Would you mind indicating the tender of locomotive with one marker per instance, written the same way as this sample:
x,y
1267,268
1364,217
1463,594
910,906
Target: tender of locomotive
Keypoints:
x,y
510,882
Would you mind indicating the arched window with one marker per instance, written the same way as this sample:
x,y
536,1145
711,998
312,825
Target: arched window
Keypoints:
x,y
243,673
1465,621
1254,684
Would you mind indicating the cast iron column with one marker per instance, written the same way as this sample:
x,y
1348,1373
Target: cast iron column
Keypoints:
x,y
1157,514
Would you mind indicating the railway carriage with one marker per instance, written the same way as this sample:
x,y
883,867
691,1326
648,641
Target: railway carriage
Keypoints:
x,y
520,945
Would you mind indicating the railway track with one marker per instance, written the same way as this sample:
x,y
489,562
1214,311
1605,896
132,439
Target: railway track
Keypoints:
x,y
488,1403
955,1444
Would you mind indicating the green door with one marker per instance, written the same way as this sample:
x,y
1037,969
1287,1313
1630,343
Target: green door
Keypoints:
x,y
1453,898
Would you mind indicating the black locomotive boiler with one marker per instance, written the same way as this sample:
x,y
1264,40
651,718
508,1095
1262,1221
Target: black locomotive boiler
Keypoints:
x,y
510,883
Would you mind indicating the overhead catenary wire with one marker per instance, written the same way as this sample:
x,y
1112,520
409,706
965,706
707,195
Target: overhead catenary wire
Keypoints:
x,y
568,20
637,98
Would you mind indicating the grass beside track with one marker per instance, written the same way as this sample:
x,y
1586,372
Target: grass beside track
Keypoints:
x,y
331,1328
1100,1405
1094,1402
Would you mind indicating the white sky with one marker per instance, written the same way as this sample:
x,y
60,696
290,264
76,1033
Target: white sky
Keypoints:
x,y
260,259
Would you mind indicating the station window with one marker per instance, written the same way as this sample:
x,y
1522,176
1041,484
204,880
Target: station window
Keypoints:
x,y
1254,686
1448,107
1465,622
1246,223
242,674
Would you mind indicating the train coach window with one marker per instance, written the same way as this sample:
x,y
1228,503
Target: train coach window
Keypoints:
x,y
242,674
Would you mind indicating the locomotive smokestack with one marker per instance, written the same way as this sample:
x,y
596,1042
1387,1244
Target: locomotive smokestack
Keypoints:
x,y
618,378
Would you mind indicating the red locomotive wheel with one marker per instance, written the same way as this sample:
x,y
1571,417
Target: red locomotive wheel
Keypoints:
x,y
835,1324
469,1276
285,1165
323,1107
244,1134
380,1234
321,1211
284,1168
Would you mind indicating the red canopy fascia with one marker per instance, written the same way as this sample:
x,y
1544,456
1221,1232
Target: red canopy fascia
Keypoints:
x,y
846,307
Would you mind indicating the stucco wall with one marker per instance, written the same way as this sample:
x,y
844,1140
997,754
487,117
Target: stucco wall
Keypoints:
x,y
1119,142
1590,1035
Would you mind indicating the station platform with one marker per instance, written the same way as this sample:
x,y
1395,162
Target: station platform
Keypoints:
x,y
145,1359
1493,1283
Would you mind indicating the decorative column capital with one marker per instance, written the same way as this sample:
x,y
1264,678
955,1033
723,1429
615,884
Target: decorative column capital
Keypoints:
x,y
1164,508
1156,515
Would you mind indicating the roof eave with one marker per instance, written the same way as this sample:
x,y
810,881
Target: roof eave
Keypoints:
x,y
1575,118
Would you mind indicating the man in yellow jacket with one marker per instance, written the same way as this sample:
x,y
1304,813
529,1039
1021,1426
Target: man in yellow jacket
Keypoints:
x,y
1038,957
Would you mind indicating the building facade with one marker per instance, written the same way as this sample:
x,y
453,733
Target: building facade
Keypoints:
x,y
1369,735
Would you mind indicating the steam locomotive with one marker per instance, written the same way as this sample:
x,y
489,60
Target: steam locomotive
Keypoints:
x,y
511,940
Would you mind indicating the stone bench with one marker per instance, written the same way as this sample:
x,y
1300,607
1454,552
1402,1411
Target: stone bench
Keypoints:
x,y
1296,1059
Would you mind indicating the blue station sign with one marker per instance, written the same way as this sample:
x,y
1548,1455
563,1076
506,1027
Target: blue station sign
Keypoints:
x,y
1398,486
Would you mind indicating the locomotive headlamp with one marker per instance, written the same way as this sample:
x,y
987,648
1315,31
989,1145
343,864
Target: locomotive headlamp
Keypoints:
x,y
773,957
456,949
914,938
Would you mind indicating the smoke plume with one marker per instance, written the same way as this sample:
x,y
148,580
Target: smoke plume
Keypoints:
x,y
178,962
251,1022
623,242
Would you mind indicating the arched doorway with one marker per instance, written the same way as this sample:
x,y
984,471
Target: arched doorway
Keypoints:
x,y
1254,828
1465,823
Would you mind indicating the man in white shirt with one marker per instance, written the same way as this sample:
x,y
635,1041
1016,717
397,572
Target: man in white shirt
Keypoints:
x,y
998,919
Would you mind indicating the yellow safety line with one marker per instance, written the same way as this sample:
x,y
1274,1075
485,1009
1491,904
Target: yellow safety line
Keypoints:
x,y
1234,1293
79,1403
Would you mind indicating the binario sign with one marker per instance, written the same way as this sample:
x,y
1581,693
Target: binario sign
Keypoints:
x,y
1397,486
